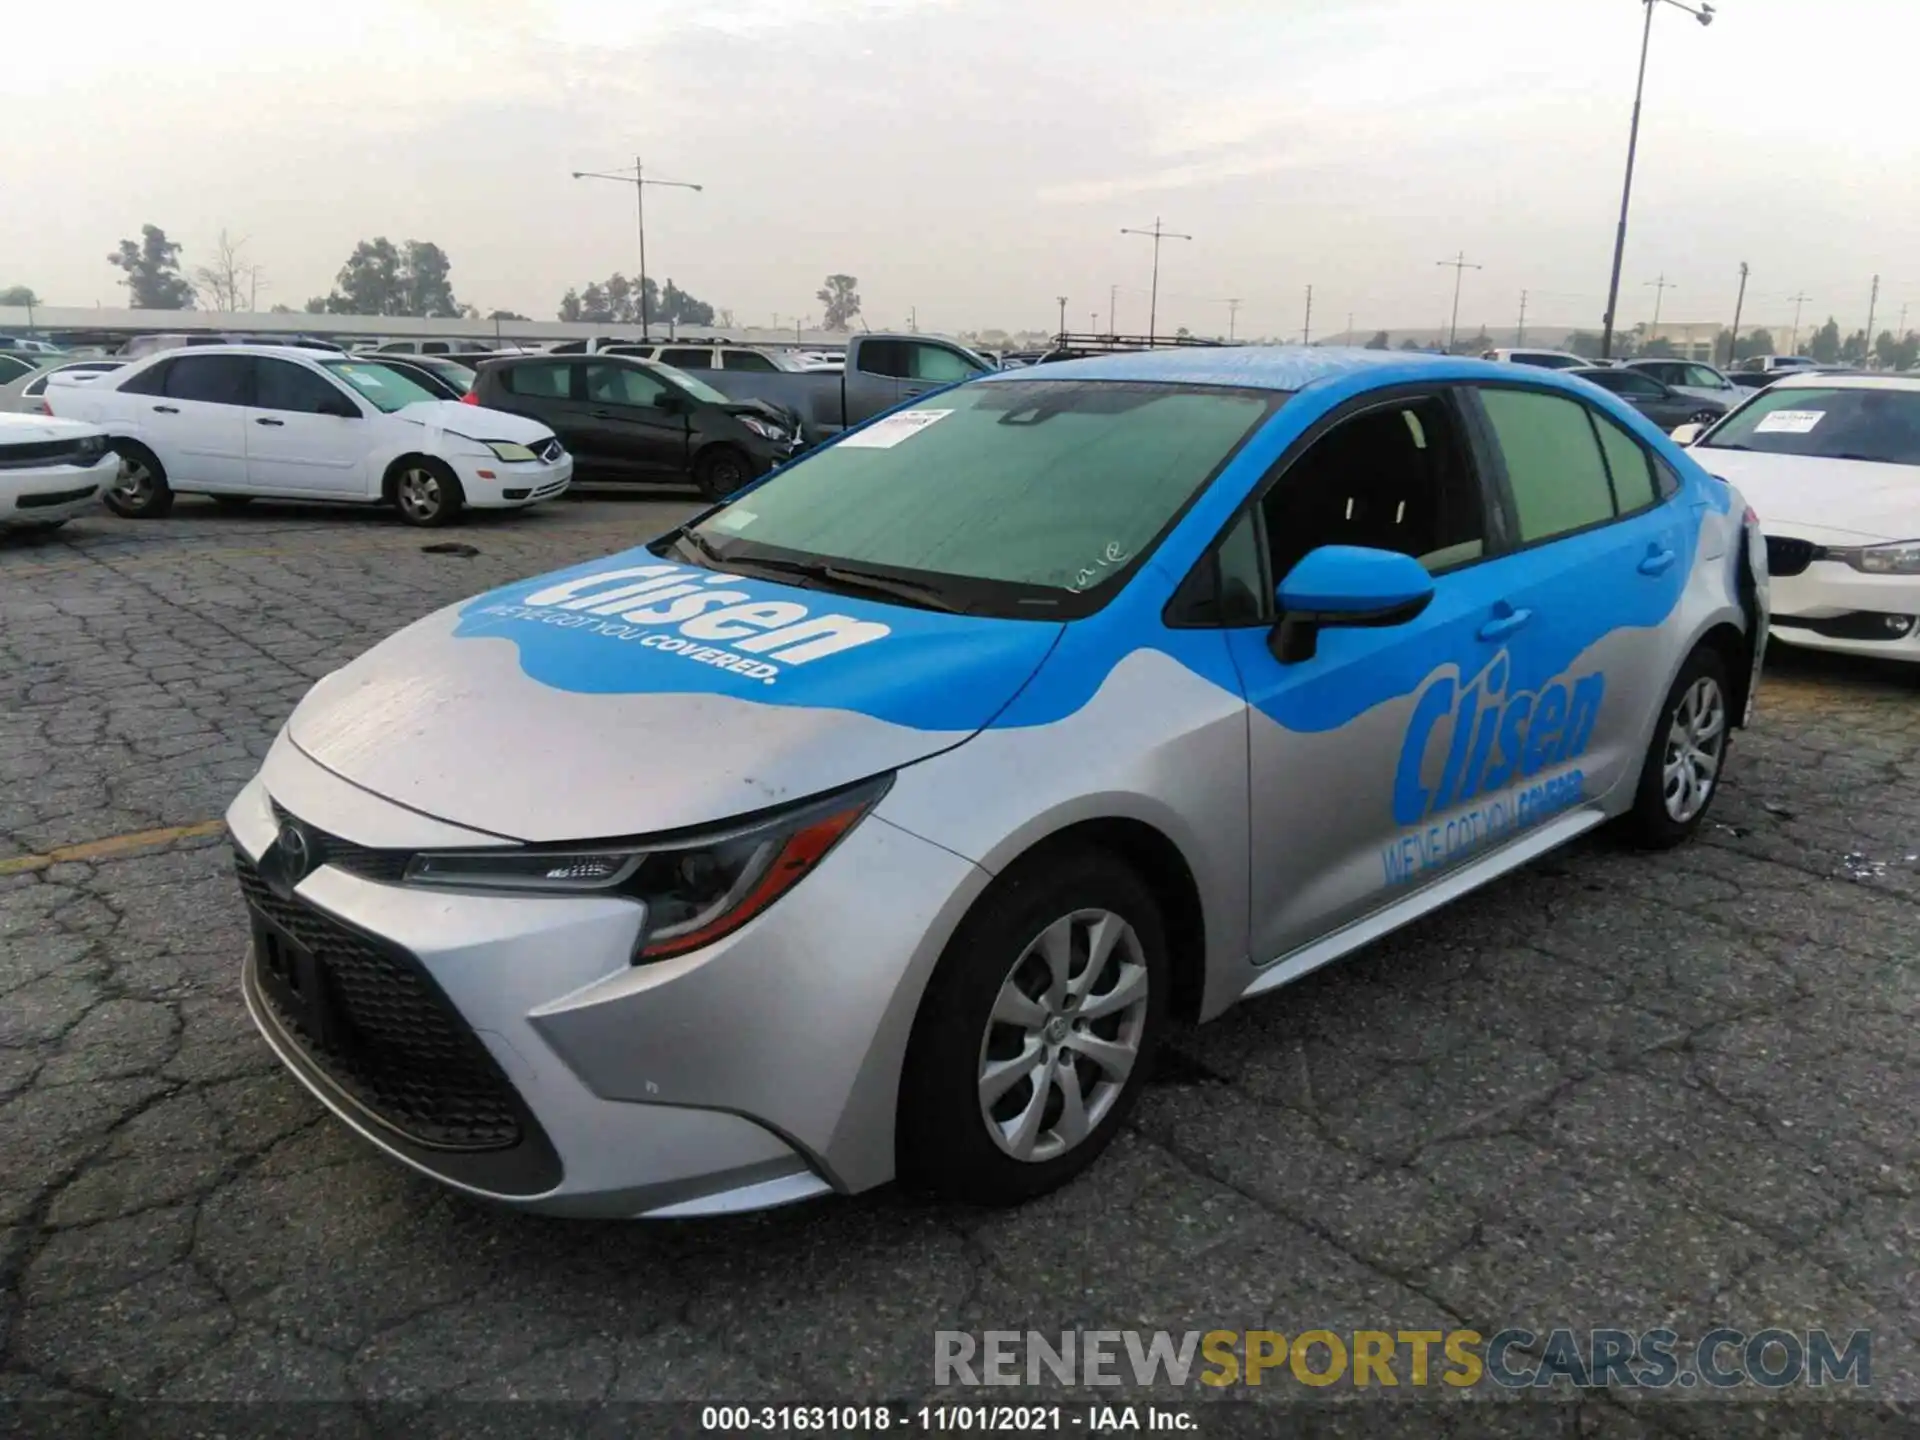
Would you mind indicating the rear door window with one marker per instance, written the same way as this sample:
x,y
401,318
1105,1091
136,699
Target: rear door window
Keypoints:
x,y
1554,465
687,359
539,382
1629,465
745,360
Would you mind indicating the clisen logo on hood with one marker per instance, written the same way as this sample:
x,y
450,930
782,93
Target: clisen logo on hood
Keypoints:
x,y
691,613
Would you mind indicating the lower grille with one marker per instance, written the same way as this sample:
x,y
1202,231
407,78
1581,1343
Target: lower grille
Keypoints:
x,y
1789,557
58,497
1853,625
400,1051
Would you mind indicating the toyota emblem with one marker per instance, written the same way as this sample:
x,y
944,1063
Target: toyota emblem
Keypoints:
x,y
296,855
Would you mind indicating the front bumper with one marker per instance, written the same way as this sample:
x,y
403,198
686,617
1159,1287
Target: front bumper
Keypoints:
x,y
48,494
1831,606
761,1070
498,484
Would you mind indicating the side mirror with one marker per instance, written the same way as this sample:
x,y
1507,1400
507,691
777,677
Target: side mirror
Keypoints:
x,y
1685,434
1345,585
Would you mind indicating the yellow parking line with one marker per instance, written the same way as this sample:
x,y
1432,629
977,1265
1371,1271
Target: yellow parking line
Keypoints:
x,y
110,848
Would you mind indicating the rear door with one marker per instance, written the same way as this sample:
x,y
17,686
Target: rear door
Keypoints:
x,y
1602,556
636,435
198,427
294,445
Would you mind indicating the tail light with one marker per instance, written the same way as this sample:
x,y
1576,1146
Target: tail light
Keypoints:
x,y
46,408
469,398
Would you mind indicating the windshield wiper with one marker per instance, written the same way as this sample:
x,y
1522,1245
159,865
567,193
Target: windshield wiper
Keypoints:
x,y
914,592
693,540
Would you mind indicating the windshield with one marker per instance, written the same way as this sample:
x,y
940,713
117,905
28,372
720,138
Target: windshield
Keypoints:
x,y
382,385
461,377
1830,424
1018,498
699,389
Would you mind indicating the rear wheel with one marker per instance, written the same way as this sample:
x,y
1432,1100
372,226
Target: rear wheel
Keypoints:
x,y
139,489
427,492
1036,1032
720,471
1688,752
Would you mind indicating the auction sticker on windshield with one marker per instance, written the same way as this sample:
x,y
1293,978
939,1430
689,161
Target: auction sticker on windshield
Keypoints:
x,y
1789,422
887,433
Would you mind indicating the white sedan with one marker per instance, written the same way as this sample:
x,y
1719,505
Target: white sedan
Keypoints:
x,y
240,421
1831,463
50,470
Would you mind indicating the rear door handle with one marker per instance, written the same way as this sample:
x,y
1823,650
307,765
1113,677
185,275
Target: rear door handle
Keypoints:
x,y
263,420
168,409
1505,621
1659,560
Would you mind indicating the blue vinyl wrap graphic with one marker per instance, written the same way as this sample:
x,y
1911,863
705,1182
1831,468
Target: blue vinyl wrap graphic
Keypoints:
x,y
652,626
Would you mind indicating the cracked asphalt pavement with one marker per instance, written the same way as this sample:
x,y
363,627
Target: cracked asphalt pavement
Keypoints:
x,y
1610,1090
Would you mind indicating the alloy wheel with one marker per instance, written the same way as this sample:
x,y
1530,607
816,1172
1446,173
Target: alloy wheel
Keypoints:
x,y
133,482
1696,741
419,493
1064,1035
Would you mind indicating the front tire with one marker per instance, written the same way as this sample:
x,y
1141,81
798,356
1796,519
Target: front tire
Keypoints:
x,y
720,471
427,492
1687,755
139,490
1036,1032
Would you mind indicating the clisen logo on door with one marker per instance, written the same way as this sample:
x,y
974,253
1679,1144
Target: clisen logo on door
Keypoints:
x,y
691,613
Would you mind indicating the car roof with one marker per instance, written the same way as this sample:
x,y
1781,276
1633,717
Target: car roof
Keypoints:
x,y
1262,367
1818,381
285,352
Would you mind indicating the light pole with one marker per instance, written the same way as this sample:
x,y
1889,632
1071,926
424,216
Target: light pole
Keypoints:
x,y
1063,313
639,181
1705,16
1872,302
1460,264
1733,345
1793,341
1153,302
1520,330
1306,325
1113,292
1233,310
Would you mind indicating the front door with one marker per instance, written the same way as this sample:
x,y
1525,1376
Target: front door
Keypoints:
x,y
1371,763
294,446
632,430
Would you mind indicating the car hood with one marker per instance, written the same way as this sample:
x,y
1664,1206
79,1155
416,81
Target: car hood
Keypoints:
x,y
17,428
633,695
475,422
1855,497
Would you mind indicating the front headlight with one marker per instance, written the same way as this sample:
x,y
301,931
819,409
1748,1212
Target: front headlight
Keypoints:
x,y
1897,557
90,450
696,889
509,450
765,429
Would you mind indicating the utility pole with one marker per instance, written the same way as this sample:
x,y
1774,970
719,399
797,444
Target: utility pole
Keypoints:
x,y
1873,302
1063,313
1093,322
1660,288
1153,302
913,319
1113,292
1739,300
1903,323
1233,309
1459,264
1793,343
1520,330
1306,327
639,181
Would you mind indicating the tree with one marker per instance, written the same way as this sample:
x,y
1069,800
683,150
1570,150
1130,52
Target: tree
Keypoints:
x,y
1854,350
281,310
1379,340
20,295
1824,344
682,309
381,278
842,302
1409,344
570,307
1585,344
508,315
1893,354
230,282
617,301
1659,349
1757,342
152,269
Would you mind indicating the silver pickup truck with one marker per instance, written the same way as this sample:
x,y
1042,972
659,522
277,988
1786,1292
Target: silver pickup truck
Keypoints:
x,y
881,371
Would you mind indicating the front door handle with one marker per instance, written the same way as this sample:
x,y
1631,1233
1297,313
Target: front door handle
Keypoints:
x,y
263,420
1506,620
168,409
1659,560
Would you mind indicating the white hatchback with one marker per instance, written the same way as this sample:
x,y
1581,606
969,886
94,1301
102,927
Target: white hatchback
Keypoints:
x,y
240,421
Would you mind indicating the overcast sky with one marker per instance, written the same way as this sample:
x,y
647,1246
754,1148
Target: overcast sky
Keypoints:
x,y
973,159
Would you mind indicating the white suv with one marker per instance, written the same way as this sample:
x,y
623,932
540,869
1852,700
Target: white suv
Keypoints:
x,y
239,421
